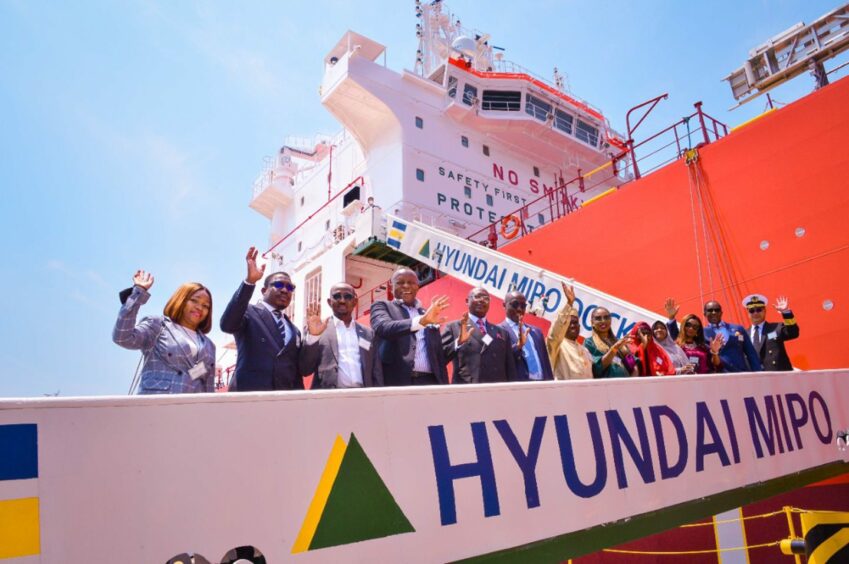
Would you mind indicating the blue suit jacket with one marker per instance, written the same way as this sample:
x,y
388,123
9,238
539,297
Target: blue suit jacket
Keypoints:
x,y
737,354
263,362
538,340
167,357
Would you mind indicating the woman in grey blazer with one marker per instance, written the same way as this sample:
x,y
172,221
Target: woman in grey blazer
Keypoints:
x,y
178,357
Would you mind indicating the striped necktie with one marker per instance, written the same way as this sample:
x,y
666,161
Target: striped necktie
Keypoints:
x,y
482,327
281,325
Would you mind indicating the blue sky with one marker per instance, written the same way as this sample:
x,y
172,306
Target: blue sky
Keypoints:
x,y
130,134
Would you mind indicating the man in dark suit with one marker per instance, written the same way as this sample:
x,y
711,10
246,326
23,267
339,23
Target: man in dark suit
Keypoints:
x,y
769,338
268,344
339,350
528,342
737,353
408,337
480,351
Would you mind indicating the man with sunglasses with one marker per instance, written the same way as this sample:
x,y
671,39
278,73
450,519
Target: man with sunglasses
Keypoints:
x,y
267,343
768,338
737,353
528,342
339,350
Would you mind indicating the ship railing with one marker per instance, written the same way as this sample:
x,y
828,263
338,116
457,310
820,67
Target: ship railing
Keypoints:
x,y
330,201
633,162
366,298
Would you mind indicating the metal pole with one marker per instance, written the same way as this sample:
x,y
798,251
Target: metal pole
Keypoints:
x,y
698,106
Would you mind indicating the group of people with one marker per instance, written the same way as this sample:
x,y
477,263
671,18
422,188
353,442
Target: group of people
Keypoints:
x,y
408,344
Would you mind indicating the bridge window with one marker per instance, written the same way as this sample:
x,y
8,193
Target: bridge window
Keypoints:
x,y
419,122
419,175
541,219
470,94
464,141
536,171
537,107
467,191
587,133
563,121
452,86
489,200
486,150
501,101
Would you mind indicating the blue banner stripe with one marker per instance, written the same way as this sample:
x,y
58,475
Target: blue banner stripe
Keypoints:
x,y
18,451
399,225
393,243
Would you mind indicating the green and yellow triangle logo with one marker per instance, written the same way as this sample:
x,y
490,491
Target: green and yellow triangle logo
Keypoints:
x,y
350,504
425,250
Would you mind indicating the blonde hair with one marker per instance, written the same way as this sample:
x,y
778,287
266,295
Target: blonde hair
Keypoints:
x,y
177,304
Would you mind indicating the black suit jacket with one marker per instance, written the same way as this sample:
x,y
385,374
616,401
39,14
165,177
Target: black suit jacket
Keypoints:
x,y
772,352
322,357
474,362
263,362
538,340
396,346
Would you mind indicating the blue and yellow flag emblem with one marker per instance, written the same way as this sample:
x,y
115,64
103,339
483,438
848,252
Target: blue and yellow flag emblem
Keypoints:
x,y
396,234
19,531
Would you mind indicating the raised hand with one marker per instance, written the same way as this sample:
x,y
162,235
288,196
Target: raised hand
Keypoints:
x,y
717,343
523,333
466,329
781,304
433,315
622,344
254,272
671,308
143,280
569,292
314,323
644,339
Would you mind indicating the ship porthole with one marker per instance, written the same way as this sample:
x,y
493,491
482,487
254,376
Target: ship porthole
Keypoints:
x,y
828,305
800,232
764,245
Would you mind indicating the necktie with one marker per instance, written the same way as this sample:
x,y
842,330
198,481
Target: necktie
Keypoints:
x,y
482,327
530,357
281,325
757,338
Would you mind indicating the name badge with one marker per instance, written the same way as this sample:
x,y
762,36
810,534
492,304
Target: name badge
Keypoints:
x,y
487,340
740,337
197,371
772,335
365,344
693,359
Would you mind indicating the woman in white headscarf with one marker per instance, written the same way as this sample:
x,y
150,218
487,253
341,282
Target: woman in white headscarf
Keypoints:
x,y
676,354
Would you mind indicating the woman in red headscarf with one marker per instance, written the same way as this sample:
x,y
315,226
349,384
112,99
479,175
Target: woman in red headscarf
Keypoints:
x,y
653,360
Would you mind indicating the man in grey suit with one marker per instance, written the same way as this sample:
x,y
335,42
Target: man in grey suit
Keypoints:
x,y
480,351
339,350
408,337
268,344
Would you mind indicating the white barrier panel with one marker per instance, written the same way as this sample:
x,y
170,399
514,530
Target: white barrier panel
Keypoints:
x,y
396,474
499,273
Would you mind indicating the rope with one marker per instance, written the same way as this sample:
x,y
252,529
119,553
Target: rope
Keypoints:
x,y
723,521
692,552
695,235
696,172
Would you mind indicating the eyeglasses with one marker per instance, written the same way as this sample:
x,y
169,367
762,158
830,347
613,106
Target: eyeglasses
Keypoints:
x,y
339,296
516,304
288,286
601,318
755,309
713,310
693,325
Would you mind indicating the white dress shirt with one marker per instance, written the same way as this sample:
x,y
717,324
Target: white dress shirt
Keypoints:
x,y
350,370
421,362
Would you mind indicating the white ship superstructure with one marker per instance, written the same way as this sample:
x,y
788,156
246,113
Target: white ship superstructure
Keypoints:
x,y
460,143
